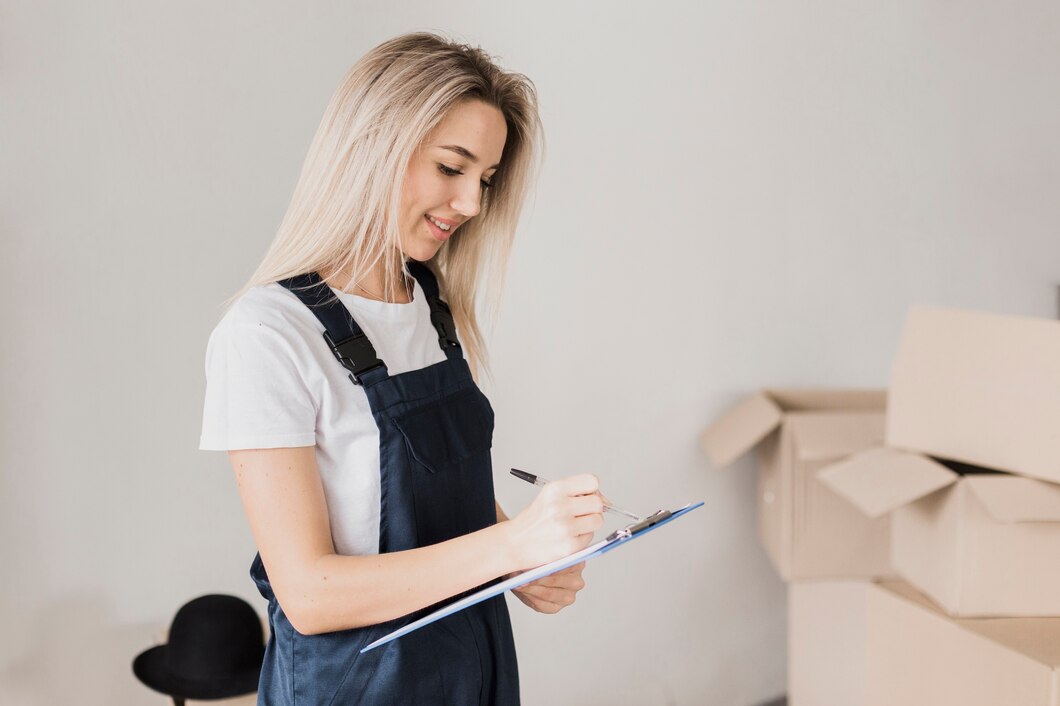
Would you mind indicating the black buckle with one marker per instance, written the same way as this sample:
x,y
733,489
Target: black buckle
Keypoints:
x,y
356,354
442,318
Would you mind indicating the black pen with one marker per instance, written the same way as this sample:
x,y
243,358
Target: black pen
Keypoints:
x,y
538,480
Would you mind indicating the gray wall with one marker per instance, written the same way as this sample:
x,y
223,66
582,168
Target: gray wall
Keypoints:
x,y
735,195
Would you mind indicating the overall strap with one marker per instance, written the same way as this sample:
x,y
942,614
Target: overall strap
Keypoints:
x,y
441,316
345,338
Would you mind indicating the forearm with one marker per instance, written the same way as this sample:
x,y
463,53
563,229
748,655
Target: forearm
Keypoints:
x,y
321,591
343,592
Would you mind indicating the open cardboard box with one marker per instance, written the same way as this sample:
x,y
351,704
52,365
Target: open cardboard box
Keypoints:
x,y
978,389
807,530
884,644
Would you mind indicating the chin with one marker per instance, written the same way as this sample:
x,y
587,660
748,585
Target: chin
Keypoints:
x,y
422,252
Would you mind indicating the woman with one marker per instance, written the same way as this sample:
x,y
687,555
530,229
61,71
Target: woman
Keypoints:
x,y
337,383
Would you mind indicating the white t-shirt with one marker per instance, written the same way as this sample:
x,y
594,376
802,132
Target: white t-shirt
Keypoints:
x,y
273,382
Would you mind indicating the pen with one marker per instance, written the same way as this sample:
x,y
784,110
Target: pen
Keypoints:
x,y
538,480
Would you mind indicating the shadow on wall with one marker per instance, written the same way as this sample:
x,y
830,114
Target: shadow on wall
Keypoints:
x,y
78,654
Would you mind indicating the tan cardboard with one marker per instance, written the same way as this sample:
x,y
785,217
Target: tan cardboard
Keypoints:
x,y
881,480
918,655
1016,499
885,644
807,530
826,643
975,563
979,388
748,422
979,545
741,428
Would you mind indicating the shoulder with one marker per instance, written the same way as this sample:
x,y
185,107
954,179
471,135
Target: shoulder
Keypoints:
x,y
259,375
265,322
266,305
267,310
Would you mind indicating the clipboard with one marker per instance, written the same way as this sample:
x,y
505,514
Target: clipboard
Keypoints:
x,y
613,540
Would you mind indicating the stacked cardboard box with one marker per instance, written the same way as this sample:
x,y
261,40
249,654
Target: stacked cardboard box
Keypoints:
x,y
856,643
965,482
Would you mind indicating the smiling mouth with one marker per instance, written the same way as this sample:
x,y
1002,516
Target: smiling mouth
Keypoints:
x,y
444,226
440,231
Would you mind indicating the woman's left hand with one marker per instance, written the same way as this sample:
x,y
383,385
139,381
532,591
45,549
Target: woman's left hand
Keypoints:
x,y
553,593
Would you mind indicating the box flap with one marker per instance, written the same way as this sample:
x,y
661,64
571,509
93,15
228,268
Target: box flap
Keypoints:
x,y
739,429
906,590
1037,638
880,480
821,399
979,388
821,436
1016,499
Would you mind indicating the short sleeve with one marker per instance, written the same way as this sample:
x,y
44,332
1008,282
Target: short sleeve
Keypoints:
x,y
256,392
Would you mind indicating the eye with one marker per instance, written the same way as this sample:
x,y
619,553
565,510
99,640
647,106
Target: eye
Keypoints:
x,y
451,171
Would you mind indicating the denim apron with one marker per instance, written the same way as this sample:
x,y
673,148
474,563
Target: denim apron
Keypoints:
x,y
436,482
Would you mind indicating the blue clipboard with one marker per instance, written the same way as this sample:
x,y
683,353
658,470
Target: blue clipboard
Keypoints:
x,y
615,539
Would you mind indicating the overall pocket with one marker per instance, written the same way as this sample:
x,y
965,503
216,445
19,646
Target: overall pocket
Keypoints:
x,y
448,444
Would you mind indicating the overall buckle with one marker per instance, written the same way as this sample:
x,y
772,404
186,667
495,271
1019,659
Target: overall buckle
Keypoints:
x,y
356,354
442,318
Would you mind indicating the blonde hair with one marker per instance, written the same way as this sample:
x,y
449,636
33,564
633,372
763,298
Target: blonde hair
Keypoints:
x,y
344,210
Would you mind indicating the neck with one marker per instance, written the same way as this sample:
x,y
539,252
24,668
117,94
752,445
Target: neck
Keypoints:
x,y
370,285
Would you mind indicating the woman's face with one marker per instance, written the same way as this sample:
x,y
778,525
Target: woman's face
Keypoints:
x,y
447,176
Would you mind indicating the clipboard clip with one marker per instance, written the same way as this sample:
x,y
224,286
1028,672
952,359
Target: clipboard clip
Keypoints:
x,y
637,527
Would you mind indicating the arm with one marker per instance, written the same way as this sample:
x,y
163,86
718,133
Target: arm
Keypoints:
x,y
321,591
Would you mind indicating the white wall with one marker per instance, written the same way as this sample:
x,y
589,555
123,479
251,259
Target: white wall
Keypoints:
x,y
736,194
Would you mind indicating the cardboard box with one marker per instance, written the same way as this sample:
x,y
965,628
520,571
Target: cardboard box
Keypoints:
x,y
807,530
827,643
979,388
978,544
890,646
972,388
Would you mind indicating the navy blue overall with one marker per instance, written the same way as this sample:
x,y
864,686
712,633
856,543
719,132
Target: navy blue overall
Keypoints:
x,y
436,482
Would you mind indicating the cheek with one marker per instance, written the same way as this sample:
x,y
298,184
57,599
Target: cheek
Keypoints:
x,y
409,193
422,189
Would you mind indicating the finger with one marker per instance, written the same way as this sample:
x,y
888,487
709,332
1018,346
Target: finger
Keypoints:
x,y
549,608
566,582
587,524
530,601
581,541
563,575
539,605
587,505
581,484
555,596
577,568
559,578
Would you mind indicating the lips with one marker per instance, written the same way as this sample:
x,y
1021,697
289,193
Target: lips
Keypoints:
x,y
437,232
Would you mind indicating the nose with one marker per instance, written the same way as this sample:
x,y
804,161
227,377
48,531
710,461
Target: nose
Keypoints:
x,y
467,200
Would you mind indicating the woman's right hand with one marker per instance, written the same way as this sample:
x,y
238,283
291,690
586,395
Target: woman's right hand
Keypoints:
x,y
560,521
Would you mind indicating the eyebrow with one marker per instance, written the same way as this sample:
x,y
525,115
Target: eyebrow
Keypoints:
x,y
464,152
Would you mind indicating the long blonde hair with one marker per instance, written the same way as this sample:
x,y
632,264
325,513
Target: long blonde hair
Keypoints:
x,y
344,210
